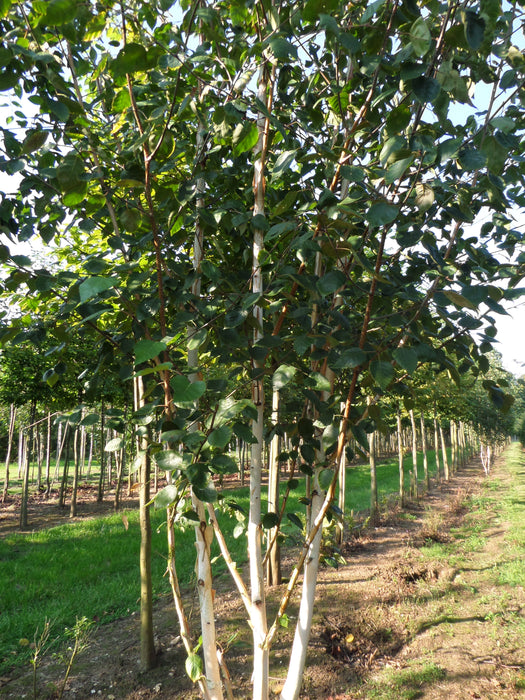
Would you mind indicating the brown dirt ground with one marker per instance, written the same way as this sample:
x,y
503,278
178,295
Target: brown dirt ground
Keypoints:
x,y
393,623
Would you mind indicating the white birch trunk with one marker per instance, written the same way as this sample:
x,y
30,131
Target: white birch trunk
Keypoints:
x,y
203,531
297,662
414,455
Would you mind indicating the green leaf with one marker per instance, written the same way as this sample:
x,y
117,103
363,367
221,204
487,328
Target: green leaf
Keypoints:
x,y
282,376
284,621
397,170
244,433
283,162
278,229
90,419
146,350
4,7
392,146
425,89
93,286
220,437
313,8
325,478
193,667
172,459
244,137
60,12
382,213
420,37
130,59
197,338
34,140
406,358
382,372
398,119
282,48
505,124
295,519
319,382
360,436
270,520
330,436
166,496
474,29
425,196
459,300
185,392
286,204
471,159
114,445
223,464
331,282
207,494
348,359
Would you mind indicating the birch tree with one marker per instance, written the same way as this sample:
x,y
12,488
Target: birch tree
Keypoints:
x,y
322,151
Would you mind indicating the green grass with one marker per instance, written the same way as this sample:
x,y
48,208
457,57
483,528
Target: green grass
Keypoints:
x,y
90,568
406,684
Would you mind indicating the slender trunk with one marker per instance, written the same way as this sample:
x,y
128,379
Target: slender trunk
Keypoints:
x,y
39,456
10,435
453,447
48,454
297,662
415,485
341,500
26,451
59,450
424,449
120,462
436,445
90,454
273,567
76,467
446,472
148,656
177,598
373,479
260,679
63,482
203,531
27,462
21,451
103,453
401,459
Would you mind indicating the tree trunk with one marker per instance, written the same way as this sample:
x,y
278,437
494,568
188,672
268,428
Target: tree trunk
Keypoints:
x,y
48,454
373,479
273,566
63,483
436,446
10,435
27,462
401,459
103,453
341,500
424,449
297,662
148,656
76,467
415,484
446,472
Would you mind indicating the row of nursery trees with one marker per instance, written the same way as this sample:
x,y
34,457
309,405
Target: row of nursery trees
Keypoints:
x,y
275,219
45,443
